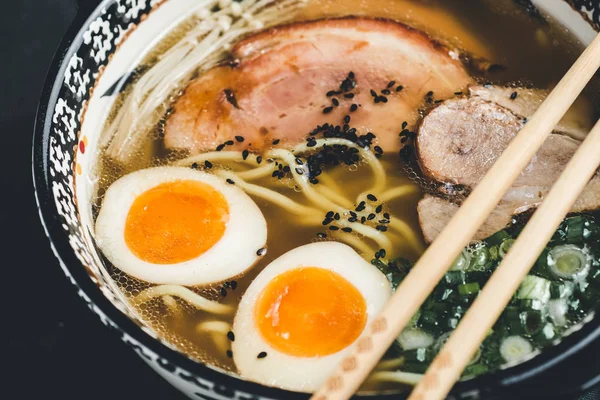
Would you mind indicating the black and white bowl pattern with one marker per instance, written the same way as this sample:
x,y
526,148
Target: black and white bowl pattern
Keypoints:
x,y
85,66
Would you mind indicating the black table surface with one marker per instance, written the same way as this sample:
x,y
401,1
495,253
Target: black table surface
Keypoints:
x,y
54,346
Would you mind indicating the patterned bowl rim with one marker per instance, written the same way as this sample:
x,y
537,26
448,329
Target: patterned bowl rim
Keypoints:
x,y
502,380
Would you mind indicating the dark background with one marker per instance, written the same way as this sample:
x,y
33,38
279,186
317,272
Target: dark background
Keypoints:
x,y
55,347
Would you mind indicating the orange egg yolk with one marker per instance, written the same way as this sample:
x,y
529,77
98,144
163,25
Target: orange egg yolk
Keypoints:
x,y
176,222
309,312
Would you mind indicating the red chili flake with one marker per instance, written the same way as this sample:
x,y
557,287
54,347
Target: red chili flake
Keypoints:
x,y
82,147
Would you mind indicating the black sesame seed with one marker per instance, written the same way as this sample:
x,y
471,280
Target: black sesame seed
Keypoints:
x,y
231,336
321,235
276,142
378,150
384,221
347,119
383,99
386,215
386,91
392,83
513,95
299,161
231,182
399,88
371,197
430,93
208,164
381,228
223,292
258,159
229,143
331,93
377,100
239,138
245,154
327,110
352,219
349,95
286,169
337,216
335,102
351,75
313,181
361,206
458,93
327,221
195,166
363,219
382,253
330,214
404,125
229,353
373,93
261,252
334,228
348,230
353,214
299,171
379,208
262,354
353,107
234,285
220,147
371,217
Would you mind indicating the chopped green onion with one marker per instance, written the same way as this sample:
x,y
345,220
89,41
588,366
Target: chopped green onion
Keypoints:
x,y
515,348
420,355
505,246
462,261
455,277
532,321
567,261
559,290
480,260
476,370
469,289
414,338
575,228
429,321
497,238
534,288
512,317
557,310
546,335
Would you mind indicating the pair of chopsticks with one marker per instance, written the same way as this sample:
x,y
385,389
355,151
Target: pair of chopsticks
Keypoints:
x,y
433,264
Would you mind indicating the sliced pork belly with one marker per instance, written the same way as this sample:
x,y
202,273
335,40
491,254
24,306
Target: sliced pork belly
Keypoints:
x,y
434,213
460,140
276,88
576,123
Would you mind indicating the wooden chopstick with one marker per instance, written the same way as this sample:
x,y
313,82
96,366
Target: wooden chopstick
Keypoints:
x,y
434,263
496,294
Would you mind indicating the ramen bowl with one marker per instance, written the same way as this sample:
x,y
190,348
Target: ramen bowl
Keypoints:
x,y
106,41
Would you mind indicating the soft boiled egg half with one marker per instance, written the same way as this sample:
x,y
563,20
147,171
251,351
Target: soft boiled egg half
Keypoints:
x,y
299,316
172,225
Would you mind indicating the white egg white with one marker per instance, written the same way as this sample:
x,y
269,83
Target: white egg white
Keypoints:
x,y
233,254
290,372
